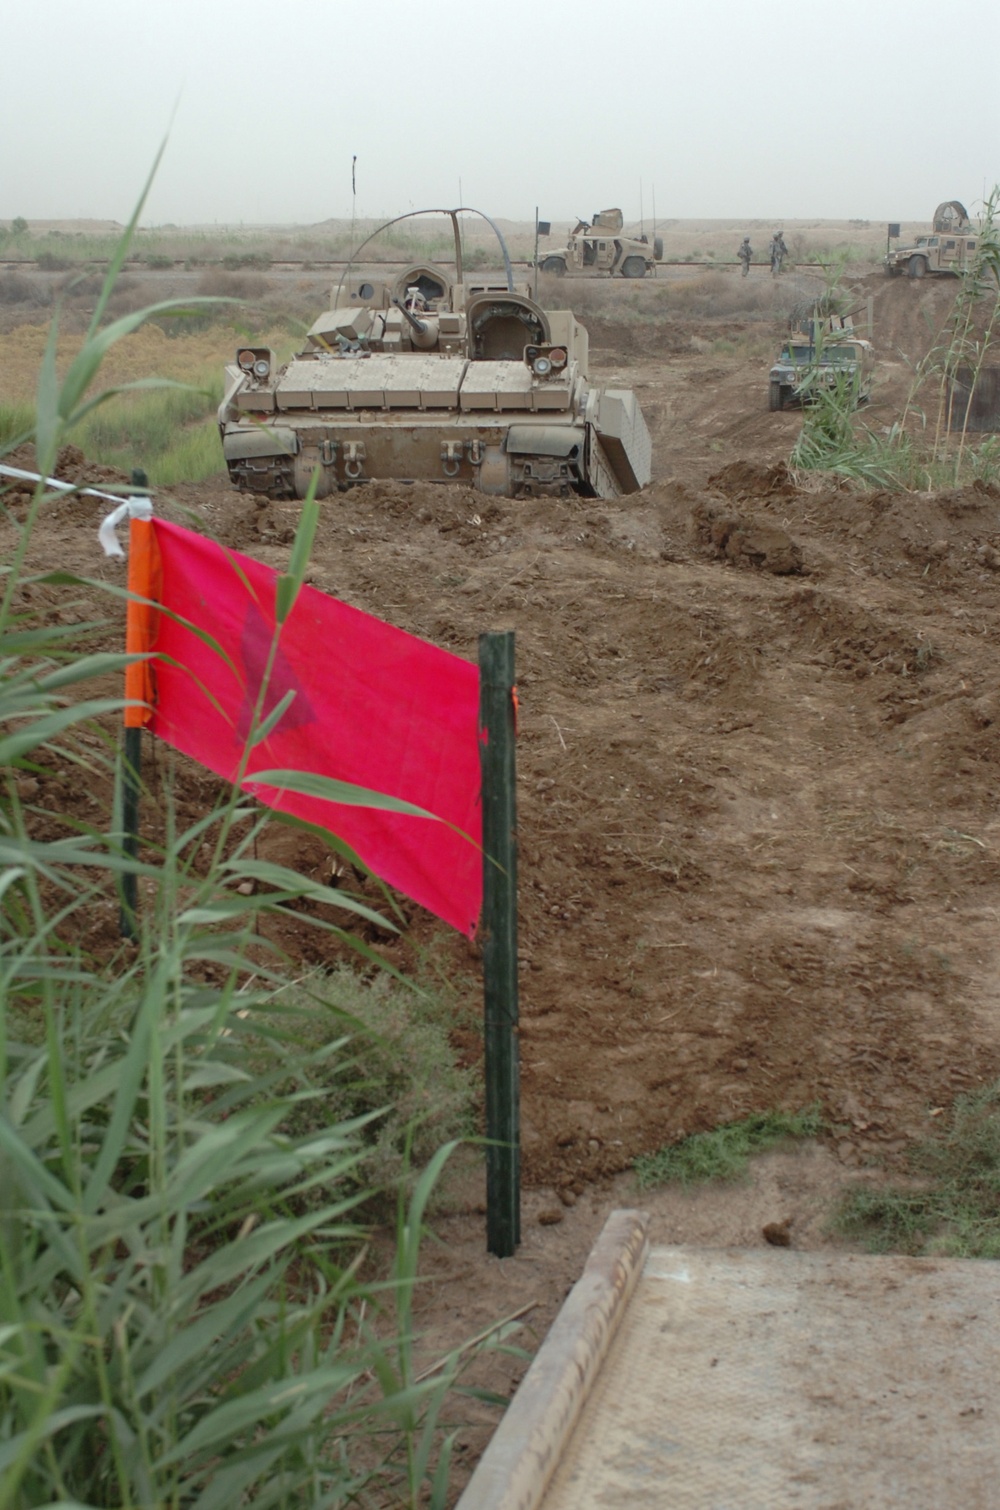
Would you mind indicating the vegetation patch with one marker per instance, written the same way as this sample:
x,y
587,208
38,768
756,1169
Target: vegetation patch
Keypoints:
x,y
395,1068
950,1204
724,1153
168,429
16,289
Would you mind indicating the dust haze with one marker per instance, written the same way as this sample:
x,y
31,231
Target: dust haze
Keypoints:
x,y
728,110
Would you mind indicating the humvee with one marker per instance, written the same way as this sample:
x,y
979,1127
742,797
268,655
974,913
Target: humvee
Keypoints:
x,y
598,246
821,355
949,249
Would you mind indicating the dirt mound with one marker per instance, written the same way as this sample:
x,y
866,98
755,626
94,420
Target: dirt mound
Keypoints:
x,y
661,338
910,315
746,541
72,467
743,479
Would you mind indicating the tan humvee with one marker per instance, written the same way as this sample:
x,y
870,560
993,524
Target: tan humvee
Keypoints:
x,y
597,247
949,249
427,376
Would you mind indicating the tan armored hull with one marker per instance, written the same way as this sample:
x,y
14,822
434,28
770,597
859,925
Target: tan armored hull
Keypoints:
x,y
427,378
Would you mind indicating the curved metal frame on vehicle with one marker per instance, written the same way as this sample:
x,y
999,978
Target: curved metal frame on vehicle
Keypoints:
x,y
453,214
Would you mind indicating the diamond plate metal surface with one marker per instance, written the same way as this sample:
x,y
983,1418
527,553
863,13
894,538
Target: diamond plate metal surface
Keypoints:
x,y
756,1380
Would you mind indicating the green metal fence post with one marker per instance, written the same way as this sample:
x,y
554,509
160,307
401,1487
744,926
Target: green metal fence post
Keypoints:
x,y
131,761
503,1093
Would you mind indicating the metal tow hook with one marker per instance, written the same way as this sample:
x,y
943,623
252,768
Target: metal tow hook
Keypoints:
x,y
451,457
354,455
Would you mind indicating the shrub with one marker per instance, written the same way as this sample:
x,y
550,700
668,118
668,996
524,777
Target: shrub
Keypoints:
x,y
219,284
238,261
50,262
16,289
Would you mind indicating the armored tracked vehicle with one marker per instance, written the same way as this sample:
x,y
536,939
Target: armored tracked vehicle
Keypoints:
x,y
428,377
598,246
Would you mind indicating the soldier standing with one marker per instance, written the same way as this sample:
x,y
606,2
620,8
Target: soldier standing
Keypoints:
x,y
779,252
745,254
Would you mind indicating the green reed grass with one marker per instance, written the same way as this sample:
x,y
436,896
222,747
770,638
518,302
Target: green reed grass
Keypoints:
x,y
184,1321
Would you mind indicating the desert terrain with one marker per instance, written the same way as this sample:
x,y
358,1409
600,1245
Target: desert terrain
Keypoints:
x,y
758,765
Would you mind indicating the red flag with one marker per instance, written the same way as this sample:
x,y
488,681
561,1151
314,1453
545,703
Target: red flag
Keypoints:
x,y
371,706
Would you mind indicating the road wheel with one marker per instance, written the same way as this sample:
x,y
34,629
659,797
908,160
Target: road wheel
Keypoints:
x,y
634,267
556,265
917,267
774,396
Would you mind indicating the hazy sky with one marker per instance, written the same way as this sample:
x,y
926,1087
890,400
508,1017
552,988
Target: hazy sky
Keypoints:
x,y
725,108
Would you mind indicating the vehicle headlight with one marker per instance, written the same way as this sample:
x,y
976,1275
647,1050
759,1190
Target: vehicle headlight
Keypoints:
x,y
541,366
261,367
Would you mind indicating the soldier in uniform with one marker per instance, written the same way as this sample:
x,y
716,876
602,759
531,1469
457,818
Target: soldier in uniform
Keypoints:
x,y
745,254
779,252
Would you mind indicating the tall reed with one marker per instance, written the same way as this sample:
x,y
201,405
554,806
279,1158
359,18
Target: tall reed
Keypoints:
x,y
183,1321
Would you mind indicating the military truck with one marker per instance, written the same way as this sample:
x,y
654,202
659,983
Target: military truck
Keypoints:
x,y
821,354
427,376
598,247
948,249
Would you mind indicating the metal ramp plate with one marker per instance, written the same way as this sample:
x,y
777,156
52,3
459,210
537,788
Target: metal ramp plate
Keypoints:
x,y
764,1379
757,1380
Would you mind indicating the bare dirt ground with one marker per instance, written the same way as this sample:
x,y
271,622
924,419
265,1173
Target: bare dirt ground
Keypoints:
x,y
759,769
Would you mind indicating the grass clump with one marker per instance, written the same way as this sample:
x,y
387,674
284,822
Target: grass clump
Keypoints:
x,y
395,1068
16,421
723,1153
168,431
950,1205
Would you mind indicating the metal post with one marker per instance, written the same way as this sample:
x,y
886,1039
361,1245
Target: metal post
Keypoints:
x,y
503,1096
131,760
534,291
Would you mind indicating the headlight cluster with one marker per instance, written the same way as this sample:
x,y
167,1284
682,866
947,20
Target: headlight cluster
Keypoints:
x,y
546,361
254,362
